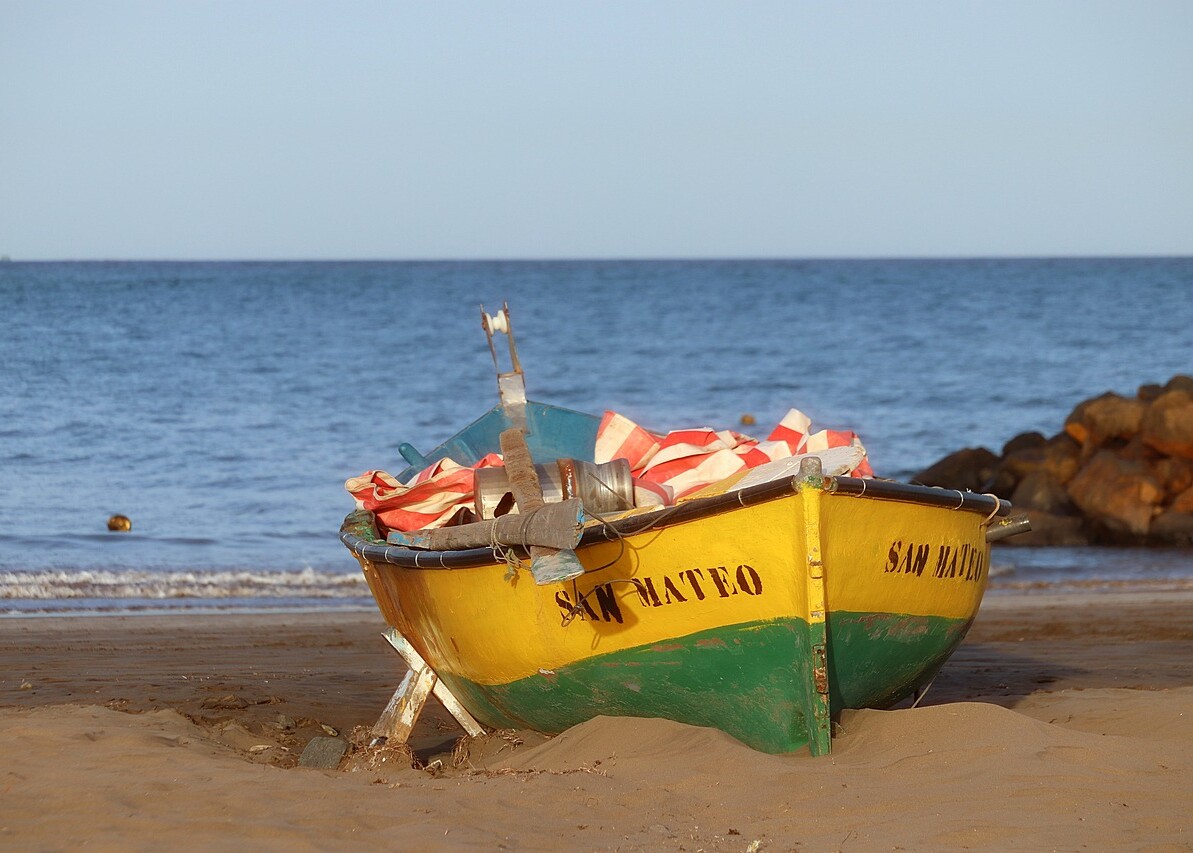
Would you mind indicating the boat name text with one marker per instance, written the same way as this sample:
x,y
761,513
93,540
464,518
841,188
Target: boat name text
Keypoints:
x,y
600,603
964,563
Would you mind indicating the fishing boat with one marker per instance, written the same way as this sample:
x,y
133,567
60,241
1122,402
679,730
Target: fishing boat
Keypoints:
x,y
761,605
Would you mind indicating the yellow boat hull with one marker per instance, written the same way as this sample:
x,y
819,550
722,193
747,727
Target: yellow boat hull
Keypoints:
x,y
760,614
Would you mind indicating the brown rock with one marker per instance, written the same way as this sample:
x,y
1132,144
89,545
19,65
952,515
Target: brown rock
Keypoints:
x,y
1149,392
1062,458
1174,474
1051,530
1119,493
1183,502
1172,528
1040,491
1180,382
970,469
1095,422
231,702
323,753
1021,462
1059,457
1167,425
1136,449
1024,441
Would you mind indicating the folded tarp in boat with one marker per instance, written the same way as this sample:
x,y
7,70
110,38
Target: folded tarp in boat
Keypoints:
x,y
665,468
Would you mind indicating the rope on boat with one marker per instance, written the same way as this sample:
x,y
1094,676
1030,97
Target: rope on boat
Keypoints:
x,y
578,608
506,555
993,512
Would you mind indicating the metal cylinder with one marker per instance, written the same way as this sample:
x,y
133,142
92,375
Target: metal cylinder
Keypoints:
x,y
493,496
1006,527
603,488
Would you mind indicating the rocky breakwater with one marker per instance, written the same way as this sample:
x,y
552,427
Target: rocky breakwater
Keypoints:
x,y
1120,472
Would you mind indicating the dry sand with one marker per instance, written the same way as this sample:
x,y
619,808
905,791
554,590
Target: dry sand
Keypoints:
x,y
1064,722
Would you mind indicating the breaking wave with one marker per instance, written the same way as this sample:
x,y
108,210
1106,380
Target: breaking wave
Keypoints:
x,y
129,590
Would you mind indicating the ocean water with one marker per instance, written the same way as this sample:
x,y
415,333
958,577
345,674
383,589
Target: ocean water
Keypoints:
x,y
221,406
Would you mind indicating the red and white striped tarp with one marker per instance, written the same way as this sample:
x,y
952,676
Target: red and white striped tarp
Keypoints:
x,y
429,500
669,467
665,468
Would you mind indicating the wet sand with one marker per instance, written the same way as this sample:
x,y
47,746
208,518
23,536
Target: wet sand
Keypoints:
x,y
1064,721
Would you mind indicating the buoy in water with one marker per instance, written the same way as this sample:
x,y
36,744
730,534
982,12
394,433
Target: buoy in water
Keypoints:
x,y
747,419
120,523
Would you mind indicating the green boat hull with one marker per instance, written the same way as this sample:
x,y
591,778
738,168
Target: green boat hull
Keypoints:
x,y
749,680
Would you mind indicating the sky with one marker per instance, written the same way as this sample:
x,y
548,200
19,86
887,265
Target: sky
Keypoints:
x,y
178,129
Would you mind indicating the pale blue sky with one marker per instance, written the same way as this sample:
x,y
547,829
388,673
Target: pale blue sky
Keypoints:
x,y
604,129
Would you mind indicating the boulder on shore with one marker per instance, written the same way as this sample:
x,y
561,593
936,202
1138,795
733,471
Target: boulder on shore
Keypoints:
x,y
968,470
1119,472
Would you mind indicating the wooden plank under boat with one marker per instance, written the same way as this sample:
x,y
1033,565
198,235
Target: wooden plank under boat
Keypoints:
x,y
761,611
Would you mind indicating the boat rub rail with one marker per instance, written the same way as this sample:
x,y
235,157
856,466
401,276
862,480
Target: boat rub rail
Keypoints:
x,y
359,530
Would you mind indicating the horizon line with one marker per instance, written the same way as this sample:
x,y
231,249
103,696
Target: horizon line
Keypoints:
x,y
7,259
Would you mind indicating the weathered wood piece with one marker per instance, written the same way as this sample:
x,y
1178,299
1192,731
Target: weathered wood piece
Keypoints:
x,y
547,565
400,715
556,525
442,693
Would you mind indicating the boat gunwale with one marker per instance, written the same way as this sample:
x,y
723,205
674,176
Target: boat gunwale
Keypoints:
x,y
685,511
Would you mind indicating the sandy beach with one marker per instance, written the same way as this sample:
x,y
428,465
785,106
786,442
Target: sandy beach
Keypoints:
x,y
1064,722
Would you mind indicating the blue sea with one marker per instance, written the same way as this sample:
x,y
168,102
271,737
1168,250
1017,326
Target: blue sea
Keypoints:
x,y
221,406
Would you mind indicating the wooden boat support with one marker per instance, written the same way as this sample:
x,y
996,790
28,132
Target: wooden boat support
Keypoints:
x,y
400,715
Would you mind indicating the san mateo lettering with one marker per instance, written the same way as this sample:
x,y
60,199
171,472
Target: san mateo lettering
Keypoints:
x,y
600,603
963,563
